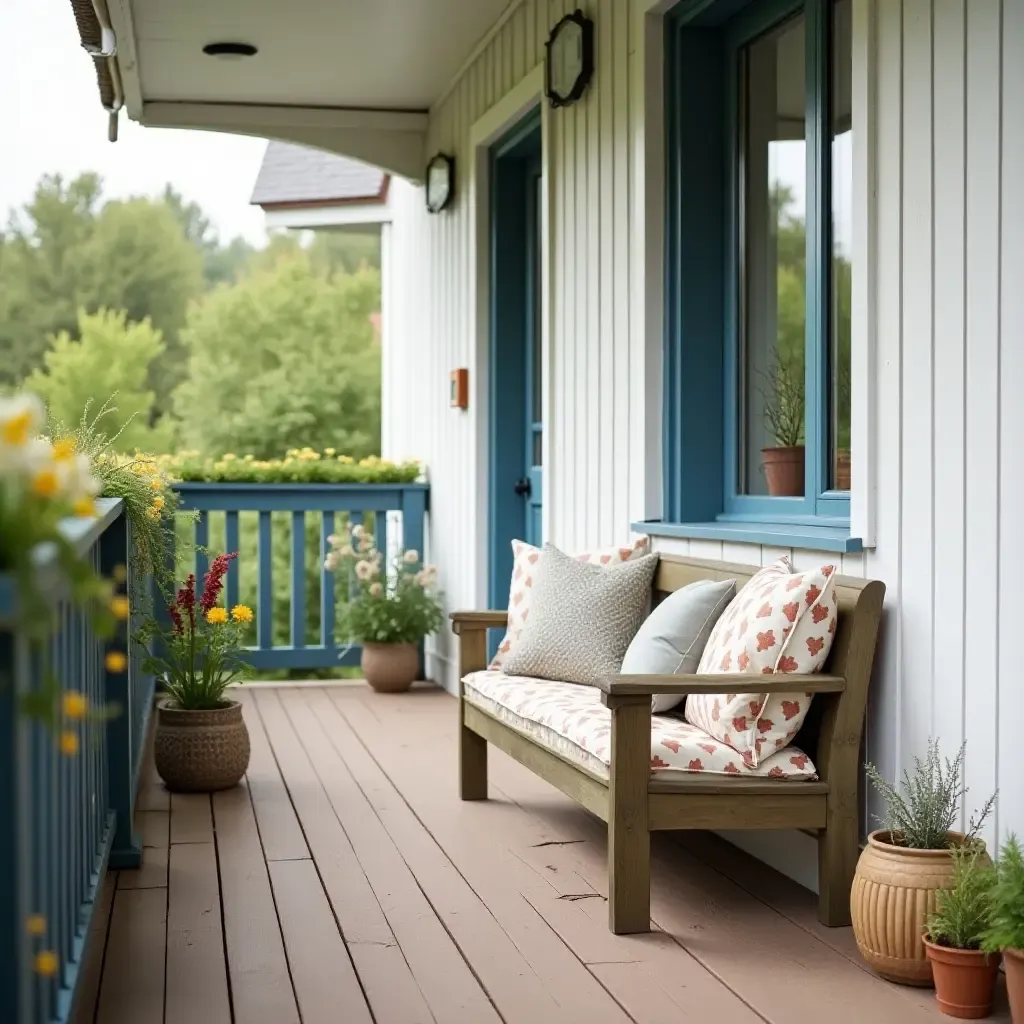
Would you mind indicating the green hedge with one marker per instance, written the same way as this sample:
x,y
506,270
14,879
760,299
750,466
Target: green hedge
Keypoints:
x,y
299,466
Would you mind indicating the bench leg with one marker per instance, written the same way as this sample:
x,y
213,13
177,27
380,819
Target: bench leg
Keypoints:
x,y
838,850
472,764
629,841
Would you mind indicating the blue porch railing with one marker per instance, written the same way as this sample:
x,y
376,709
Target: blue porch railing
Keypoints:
x,y
63,818
283,528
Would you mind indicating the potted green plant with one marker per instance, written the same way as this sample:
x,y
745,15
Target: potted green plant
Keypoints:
x,y
783,464
201,743
388,611
964,973
1006,929
905,864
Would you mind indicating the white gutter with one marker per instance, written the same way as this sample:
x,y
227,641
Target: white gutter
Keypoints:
x,y
107,52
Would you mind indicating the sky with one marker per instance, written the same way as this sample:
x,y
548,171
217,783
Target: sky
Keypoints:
x,y
51,121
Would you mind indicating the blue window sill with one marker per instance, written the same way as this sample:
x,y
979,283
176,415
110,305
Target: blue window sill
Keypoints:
x,y
813,538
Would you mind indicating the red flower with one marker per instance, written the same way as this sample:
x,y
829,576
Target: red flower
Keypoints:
x,y
179,626
185,601
213,581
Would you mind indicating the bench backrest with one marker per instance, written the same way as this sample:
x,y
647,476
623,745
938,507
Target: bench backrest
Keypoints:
x,y
853,649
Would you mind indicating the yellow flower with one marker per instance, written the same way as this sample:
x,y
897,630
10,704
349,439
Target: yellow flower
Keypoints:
x,y
85,507
119,606
68,743
46,963
241,613
217,616
330,451
230,457
156,483
158,503
17,429
46,483
115,662
64,448
35,925
75,704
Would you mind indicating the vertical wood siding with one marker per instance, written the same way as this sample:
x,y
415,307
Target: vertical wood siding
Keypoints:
x,y
948,329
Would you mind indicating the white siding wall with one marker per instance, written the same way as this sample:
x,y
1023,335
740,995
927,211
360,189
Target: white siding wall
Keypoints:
x,y
945,317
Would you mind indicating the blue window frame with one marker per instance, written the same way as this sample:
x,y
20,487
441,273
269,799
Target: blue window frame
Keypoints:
x,y
745,326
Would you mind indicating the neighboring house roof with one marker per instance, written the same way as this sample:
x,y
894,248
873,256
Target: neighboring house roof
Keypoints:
x,y
297,176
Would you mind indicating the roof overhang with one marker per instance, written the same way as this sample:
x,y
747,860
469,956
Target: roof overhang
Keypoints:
x,y
350,77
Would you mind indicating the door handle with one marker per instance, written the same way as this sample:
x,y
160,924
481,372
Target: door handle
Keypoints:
x,y
523,487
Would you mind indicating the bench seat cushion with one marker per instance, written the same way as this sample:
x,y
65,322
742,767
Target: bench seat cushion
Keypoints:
x,y
571,721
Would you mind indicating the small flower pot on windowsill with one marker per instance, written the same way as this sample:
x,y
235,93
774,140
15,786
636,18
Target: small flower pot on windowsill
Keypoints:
x,y
784,471
965,980
200,751
390,668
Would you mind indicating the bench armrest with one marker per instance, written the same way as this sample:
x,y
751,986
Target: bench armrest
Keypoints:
x,y
466,622
628,686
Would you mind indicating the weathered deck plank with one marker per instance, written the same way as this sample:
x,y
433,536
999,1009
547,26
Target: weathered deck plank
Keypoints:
x,y
154,829
191,818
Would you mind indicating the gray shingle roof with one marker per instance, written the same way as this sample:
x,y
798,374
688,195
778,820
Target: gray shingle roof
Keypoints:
x,y
297,174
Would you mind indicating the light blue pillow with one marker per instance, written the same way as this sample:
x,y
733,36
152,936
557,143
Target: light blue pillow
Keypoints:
x,y
672,638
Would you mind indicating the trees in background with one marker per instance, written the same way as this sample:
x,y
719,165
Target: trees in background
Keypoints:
x,y
285,358
110,354
259,350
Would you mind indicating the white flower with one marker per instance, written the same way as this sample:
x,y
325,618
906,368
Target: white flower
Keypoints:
x,y
376,590
411,557
365,570
334,540
357,531
365,542
331,562
346,551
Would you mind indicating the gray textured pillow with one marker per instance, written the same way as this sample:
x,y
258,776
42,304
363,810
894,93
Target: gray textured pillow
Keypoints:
x,y
675,634
583,618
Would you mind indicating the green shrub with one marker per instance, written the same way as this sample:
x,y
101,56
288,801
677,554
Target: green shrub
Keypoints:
x,y
299,466
963,911
1006,930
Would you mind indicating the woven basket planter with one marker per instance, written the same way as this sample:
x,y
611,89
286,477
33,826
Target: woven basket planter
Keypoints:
x,y
201,751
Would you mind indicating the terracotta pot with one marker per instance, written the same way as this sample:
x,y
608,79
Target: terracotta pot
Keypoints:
x,y
1013,965
784,471
892,896
390,668
965,980
842,481
200,751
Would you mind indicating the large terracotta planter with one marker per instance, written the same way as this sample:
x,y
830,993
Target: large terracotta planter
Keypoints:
x,y
390,668
784,471
1013,964
965,980
892,897
200,751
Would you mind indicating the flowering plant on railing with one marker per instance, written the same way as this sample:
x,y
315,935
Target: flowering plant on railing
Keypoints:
x,y
42,484
299,466
201,655
399,606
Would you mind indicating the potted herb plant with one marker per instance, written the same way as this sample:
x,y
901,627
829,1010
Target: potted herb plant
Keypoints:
x,y
964,973
1006,929
783,464
201,743
906,863
388,612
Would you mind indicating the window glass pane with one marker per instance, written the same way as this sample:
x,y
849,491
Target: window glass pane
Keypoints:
x,y
842,232
773,189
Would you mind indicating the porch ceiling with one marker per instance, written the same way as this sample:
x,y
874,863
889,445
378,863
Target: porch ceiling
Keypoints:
x,y
335,75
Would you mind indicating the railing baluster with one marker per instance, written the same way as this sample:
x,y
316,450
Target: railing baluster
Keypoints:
x,y
265,587
202,545
231,544
380,532
327,613
298,597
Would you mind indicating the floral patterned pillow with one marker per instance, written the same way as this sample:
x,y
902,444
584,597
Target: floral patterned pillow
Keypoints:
x,y
520,598
780,622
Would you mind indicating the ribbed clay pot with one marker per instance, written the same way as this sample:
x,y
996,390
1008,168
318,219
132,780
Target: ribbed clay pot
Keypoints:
x,y
200,751
965,980
390,668
784,471
892,897
1013,964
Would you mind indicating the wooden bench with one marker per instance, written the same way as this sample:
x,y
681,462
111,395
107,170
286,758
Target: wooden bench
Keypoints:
x,y
633,804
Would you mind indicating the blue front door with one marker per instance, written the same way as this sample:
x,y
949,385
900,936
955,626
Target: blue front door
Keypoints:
x,y
516,489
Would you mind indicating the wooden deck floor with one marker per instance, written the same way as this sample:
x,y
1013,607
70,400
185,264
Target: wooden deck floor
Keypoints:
x,y
344,882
